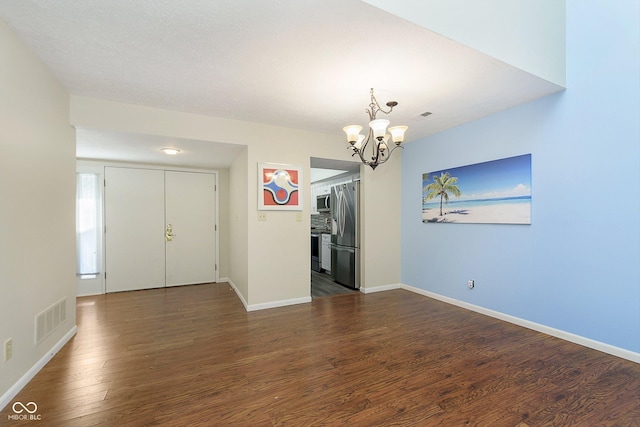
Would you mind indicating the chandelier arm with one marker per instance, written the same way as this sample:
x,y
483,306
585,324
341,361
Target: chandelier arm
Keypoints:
x,y
362,159
391,151
383,158
365,143
377,153
360,151
386,112
375,150
379,157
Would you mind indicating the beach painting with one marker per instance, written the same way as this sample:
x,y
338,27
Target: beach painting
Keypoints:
x,y
495,192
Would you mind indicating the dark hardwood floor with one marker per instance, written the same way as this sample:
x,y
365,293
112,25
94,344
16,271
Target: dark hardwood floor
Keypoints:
x,y
322,285
192,356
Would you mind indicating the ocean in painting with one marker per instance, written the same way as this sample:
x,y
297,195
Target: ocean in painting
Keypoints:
x,y
460,204
505,210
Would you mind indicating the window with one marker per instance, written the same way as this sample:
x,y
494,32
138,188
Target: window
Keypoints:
x,y
87,225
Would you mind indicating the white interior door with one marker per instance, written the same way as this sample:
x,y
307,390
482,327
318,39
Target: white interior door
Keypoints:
x,y
190,213
134,220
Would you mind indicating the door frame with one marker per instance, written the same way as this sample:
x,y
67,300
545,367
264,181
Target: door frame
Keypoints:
x,y
97,286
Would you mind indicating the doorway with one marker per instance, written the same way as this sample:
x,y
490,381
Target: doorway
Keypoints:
x,y
160,228
326,173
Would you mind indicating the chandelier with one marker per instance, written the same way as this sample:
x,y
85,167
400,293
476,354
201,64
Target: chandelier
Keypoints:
x,y
377,137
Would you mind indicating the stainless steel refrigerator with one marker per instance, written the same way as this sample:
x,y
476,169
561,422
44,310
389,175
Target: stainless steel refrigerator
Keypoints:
x,y
345,234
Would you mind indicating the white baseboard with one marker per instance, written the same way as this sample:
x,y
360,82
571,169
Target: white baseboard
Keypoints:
x,y
274,304
567,336
24,380
266,305
238,293
88,287
381,288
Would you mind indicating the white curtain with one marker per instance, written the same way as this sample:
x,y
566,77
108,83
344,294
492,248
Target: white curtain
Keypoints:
x,y
87,222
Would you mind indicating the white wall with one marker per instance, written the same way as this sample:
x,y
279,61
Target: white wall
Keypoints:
x,y
381,227
576,267
37,207
269,260
528,34
238,225
280,247
223,218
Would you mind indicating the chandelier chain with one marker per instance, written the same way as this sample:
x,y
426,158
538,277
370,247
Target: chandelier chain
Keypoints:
x,y
374,107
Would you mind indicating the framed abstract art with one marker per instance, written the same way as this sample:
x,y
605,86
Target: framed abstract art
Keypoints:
x,y
279,187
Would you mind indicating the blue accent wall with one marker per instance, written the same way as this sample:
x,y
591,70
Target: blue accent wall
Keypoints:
x,y
577,266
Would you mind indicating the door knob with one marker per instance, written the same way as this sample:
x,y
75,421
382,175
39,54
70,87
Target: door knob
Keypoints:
x,y
168,233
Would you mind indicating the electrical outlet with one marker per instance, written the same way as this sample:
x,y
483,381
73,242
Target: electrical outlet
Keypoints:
x,y
471,284
8,349
262,216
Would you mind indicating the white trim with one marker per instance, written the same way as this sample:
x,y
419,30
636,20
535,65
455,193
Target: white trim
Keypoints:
x,y
31,373
567,336
266,305
109,163
381,288
238,293
274,304
95,286
216,179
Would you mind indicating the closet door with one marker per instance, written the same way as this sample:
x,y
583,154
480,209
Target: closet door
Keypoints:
x,y
190,219
134,237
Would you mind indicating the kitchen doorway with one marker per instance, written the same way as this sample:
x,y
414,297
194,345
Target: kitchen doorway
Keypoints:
x,y
322,285
326,173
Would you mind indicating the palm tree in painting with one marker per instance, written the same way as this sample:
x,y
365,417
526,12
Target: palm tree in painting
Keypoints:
x,y
442,186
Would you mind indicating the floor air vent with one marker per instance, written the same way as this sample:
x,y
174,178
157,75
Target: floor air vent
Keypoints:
x,y
49,319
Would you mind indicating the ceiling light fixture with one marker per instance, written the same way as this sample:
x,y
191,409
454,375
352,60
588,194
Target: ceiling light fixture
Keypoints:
x,y
377,135
170,151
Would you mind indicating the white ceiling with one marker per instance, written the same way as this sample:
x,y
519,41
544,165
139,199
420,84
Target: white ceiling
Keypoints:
x,y
137,148
306,64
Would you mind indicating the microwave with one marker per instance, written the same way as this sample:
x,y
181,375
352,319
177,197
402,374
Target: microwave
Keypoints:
x,y
323,203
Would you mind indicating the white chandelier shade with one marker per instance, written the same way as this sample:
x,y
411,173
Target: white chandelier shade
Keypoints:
x,y
379,128
353,132
397,134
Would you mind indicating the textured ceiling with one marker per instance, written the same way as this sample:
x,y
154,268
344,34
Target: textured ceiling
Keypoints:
x,y
304,64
